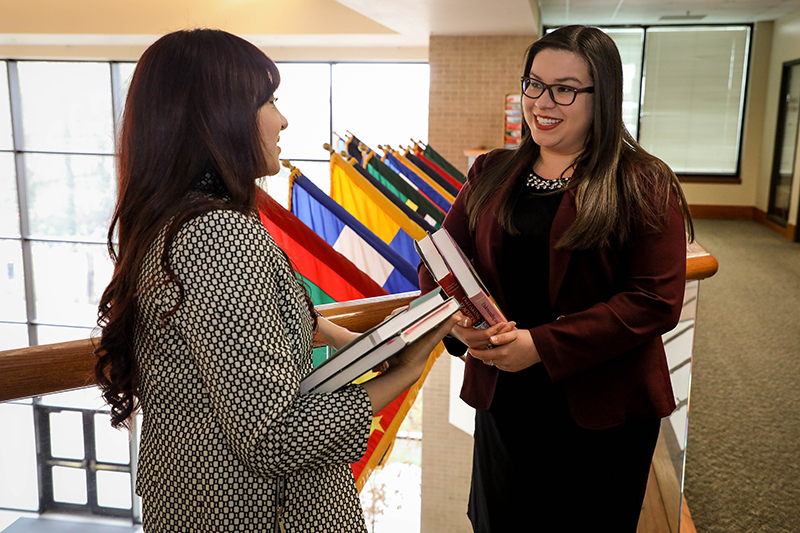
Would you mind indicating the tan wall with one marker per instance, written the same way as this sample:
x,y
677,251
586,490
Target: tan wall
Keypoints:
x,y
785,47
156,17
132,52
470,77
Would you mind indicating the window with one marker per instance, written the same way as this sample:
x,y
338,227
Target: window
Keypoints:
x,y
380,103
56,155
684,91
693,102
323,100
630,42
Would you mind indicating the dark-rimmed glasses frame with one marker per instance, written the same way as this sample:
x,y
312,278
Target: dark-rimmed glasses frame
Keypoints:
x,y
569,93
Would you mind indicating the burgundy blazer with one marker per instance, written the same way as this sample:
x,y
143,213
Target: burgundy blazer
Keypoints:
x,y
610,308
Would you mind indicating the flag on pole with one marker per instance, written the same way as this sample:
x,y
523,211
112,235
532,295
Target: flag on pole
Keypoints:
x,y
445,183
435,196
350,237
399,186
436,168
404,189
329,275
408,210
434,156
314,259
384,426
356,194
416,170
351,146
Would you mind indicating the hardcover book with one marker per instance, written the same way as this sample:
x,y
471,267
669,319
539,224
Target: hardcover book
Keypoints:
x,y
470,282
375,346
444,277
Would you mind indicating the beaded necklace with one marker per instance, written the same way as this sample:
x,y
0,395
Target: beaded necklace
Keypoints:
x,y
537,182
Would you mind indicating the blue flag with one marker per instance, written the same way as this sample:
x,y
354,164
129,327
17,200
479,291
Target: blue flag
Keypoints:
x,y
351,238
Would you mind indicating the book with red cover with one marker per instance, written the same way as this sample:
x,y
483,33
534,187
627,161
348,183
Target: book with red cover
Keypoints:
x,y
469,280
444,277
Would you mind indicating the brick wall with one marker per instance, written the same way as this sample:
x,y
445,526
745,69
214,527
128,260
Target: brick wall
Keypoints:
x,y
470,77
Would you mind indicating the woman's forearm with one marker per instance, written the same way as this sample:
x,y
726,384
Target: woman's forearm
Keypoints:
x,y
331,334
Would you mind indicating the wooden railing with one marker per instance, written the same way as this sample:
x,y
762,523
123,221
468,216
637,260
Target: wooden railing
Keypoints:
x,y
63,366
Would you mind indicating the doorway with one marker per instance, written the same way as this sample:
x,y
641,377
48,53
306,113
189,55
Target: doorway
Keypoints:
x,y
785,145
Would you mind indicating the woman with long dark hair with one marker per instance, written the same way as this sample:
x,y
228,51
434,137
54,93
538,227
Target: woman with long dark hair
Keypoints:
x,y
205,325
580,235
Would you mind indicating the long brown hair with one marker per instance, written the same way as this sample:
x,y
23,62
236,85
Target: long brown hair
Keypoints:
x,y
618,184
191,110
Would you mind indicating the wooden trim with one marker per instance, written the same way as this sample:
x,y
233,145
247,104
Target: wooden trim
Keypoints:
x,y
660,509
687,524
361,315
699,263
44,369
743,212
475,152
70,365
717,180
788,232
726,212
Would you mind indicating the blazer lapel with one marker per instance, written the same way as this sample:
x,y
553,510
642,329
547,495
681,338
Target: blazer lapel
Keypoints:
x,y
559,257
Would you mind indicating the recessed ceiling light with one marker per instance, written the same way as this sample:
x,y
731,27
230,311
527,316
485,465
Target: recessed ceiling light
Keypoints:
x,y
687,17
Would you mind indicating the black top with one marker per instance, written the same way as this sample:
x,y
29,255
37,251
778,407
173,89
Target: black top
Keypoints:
x,y
505,459
526,256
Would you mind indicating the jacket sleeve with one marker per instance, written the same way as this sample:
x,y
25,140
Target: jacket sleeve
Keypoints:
x,y
242,320
646,304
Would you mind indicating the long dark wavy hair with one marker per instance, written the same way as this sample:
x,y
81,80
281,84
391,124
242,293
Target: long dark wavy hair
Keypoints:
x,y
618,184
191,109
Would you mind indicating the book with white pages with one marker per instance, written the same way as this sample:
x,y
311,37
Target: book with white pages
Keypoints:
x,y
372,338
387,349
465,274
442,274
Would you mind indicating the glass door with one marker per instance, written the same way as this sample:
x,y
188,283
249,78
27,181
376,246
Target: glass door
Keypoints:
x,y
785,144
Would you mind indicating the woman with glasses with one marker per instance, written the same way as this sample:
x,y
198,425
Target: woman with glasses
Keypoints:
x,y
580,235
204,323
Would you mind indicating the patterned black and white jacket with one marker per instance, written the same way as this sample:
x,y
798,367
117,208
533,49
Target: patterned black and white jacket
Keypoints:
x,y
227,442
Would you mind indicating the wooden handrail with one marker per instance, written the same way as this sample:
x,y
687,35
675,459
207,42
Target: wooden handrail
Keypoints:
x,y
37,370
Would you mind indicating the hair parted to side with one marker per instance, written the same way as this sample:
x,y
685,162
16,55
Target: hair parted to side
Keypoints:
x,y
191,109
618,183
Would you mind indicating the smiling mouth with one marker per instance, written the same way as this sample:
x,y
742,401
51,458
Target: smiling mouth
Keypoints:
x,y
547,121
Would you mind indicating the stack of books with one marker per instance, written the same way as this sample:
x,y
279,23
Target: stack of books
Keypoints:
x,y
455,275
375,346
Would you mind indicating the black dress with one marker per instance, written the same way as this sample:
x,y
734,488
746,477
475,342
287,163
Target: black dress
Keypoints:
x,y
533,468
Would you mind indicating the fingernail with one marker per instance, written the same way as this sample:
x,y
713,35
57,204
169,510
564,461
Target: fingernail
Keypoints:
x,y
493,339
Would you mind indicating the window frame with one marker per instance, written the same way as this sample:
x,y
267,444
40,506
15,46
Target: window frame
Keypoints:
x,y
41,410
698,177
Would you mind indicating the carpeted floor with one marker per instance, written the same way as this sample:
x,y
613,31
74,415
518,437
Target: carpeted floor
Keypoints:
x,y
743,451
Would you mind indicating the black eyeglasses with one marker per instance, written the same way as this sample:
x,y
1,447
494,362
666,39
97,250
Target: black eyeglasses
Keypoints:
x,y
560,94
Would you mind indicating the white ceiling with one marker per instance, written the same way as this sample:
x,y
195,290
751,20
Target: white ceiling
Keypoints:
x,y
515,17
415,20
450,17
648,12
393,26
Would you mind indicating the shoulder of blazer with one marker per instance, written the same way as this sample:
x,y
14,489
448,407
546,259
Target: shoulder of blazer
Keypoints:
x,y
487,160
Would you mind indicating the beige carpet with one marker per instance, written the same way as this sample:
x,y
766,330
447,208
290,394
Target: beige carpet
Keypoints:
x,y
743,452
